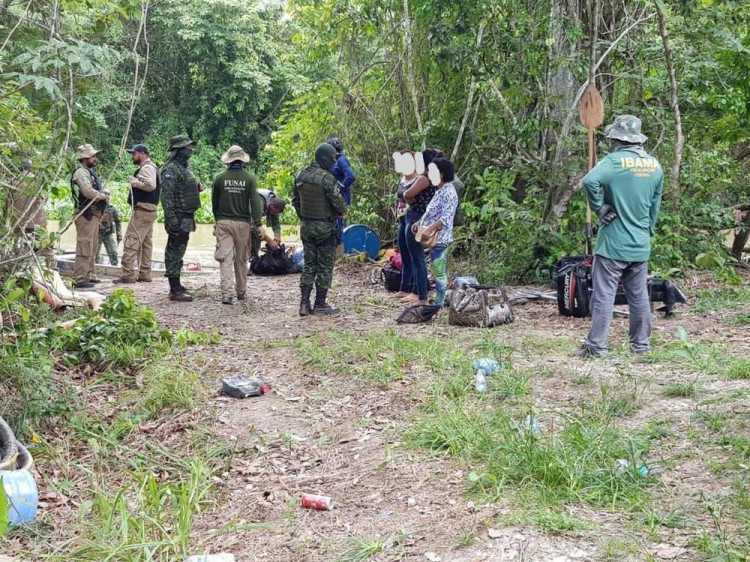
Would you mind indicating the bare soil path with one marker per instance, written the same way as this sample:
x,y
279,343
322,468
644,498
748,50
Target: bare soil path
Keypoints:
x,y
336,433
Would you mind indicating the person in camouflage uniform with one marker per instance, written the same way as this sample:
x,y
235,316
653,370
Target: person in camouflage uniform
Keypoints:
x,y
110,225
318,204
180,198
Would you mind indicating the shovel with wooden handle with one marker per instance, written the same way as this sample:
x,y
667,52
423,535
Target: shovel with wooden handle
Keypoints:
x,y
592,116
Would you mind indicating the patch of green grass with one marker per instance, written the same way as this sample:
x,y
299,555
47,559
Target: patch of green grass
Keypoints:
x,y
687,389
144,519
508,384
380,357
577,463
618,400
617,549
363,549
741,319
554,521
739,369
699,356
721,299
466,538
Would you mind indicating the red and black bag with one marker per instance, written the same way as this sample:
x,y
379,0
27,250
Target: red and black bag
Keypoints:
x,y
572,277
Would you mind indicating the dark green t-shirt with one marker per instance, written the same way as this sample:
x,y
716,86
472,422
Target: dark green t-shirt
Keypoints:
x,y
235,197
632,183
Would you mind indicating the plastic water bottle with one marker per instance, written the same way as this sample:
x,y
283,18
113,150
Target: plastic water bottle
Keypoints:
x,y
480,381
22,493
531,425
487,366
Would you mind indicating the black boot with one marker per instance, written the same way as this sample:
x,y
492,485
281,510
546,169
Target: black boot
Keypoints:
x,y
304,303
177,292
321,306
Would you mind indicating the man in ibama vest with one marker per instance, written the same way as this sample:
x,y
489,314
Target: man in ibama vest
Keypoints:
x,y
90,201
144,199
318,204
625,190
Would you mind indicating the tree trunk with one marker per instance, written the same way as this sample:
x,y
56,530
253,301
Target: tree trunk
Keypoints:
x,y
674,103
410,71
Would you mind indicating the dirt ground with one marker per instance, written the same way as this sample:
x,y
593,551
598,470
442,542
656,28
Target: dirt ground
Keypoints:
x,y
337,435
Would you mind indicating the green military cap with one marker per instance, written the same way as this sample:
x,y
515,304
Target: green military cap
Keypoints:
x,y
626,128
180,141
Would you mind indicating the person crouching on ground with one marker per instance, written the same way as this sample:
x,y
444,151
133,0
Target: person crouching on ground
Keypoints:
x,y
438,217
271,208
624,189
236,207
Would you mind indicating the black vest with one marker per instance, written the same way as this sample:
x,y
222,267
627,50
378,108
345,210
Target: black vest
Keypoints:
x,y
78,198
139,196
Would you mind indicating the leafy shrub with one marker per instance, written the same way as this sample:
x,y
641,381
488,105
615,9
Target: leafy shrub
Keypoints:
x,y
120,334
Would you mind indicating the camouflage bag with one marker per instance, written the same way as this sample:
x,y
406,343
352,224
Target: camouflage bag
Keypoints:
x,y
479,306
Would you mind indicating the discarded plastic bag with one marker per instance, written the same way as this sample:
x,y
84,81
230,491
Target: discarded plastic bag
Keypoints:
x,y
243,386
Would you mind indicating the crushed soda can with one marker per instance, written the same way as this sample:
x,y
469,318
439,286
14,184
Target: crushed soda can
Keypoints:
x,y
243,386
321,503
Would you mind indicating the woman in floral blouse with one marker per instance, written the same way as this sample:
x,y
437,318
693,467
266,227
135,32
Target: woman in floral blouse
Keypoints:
x,y
439,217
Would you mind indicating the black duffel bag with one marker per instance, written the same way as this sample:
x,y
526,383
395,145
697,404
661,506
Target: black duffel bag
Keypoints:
x,y
272,262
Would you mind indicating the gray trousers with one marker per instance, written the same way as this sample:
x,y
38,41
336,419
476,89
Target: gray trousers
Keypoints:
x,y
606,275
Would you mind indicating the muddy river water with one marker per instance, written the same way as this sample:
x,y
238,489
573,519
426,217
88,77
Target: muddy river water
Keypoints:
x,y
200,248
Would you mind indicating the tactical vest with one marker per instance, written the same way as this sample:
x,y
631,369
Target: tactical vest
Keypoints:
x,y
139,196
79,201
187,195
313,201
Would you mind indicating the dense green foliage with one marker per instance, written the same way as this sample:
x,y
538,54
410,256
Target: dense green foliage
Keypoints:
x,y
494,84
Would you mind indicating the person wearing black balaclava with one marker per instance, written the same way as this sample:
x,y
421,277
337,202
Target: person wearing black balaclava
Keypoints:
x,y
180,198
318,204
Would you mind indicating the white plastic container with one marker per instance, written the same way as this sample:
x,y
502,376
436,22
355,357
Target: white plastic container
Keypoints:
x,y
23,495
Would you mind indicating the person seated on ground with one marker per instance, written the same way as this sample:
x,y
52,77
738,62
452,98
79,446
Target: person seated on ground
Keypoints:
x,y
438,218
406,164
271,208
418,196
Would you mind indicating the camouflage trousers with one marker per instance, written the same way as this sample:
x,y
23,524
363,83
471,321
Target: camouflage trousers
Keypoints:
x,y
175,251
108,240
319,240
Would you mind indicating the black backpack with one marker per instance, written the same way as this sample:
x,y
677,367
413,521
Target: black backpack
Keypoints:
x,y
572,278
391,278
272,262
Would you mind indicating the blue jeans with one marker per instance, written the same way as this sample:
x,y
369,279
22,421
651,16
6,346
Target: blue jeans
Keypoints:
x,y
439,264
416,255
407,270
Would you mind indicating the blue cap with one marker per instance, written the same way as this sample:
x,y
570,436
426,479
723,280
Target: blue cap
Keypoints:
x,y
139,148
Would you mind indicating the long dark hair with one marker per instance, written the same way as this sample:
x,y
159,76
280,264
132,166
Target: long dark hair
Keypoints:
x,y
445,167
